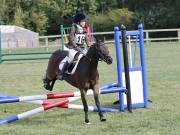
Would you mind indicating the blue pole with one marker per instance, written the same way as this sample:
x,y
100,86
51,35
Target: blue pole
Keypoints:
x,y
143,65
119,68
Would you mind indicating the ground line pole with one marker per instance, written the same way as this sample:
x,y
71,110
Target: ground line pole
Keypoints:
x,y
126,68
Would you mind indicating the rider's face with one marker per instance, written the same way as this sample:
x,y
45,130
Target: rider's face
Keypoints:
x,y
82,23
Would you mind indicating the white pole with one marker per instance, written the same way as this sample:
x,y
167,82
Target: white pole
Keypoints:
x,y
130,53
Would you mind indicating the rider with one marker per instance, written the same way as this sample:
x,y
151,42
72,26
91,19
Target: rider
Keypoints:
x,y
77,37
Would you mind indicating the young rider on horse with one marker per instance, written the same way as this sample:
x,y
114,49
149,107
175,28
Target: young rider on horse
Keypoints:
x,y
76,42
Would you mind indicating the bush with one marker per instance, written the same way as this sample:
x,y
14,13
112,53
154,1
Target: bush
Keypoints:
x,y
106,22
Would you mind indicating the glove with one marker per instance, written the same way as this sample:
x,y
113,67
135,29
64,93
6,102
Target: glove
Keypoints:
x,y
74,44
78,49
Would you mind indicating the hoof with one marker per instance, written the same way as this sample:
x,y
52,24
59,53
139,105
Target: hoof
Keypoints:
x,y
87,122
102,119
47,87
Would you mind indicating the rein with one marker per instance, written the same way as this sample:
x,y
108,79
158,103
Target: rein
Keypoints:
x,y
90,58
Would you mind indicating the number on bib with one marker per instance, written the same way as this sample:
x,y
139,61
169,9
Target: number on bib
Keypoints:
x,y
80,38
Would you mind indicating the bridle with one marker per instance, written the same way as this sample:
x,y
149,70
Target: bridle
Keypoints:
x,y
101,55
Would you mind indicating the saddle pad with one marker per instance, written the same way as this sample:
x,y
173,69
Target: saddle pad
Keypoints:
x,y
74,68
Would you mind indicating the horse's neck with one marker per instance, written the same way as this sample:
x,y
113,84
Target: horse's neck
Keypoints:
x,y
93,59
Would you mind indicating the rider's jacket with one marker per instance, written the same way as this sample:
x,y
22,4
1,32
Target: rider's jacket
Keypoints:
x,y
77,37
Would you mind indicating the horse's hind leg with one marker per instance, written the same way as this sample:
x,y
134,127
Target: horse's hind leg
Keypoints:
x,y
96,98
83,98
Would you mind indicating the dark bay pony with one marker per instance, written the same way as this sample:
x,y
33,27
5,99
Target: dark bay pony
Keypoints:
x,y
86,75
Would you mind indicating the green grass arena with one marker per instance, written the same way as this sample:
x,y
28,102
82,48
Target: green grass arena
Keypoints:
x,y
20,78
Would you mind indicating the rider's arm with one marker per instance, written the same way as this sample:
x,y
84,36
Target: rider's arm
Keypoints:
x,y
87,37
87,40
72,43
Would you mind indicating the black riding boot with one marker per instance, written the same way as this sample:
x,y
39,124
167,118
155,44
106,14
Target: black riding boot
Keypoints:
x,y
62,72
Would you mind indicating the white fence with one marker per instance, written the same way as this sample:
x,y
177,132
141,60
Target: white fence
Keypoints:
x,y
55,40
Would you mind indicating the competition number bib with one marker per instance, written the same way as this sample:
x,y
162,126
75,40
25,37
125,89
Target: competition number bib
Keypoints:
x,y
80,38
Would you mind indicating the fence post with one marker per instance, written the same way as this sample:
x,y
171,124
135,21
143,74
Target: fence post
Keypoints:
x,y
0,46
119,65
46,43
147,37
178,33
143,65
126,68
62,37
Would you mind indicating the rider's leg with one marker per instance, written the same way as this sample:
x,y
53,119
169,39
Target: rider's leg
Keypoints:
x,y
62,68
64,63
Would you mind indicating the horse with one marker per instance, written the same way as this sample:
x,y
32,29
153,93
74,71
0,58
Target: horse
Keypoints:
x,y
86,75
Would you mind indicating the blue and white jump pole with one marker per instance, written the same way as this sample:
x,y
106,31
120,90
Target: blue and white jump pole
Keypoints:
x,y
138,83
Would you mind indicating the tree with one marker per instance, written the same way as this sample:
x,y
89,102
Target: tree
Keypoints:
x,y
156,13
114,17
19,17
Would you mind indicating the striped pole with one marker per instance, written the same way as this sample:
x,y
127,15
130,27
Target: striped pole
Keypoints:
x,y
110,88
41,97
72,106
37,110
5,96
90,108
46,105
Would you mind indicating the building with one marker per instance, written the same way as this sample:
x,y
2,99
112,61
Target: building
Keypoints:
x,y
17,37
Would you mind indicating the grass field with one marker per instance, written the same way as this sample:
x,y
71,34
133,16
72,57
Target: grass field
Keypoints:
x,y
161,118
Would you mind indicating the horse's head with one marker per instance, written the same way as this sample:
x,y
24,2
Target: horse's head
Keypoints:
x,y
103,52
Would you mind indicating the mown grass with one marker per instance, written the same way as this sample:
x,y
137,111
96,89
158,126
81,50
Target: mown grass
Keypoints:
x,y
161,118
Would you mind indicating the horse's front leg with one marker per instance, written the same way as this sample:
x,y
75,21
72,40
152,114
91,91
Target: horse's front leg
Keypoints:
x,y
48,84
97,102
83,98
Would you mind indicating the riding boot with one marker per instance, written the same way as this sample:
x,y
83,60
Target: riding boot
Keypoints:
x,y
62,71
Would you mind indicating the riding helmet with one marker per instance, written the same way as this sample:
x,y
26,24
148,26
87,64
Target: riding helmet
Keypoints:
x,y
79,17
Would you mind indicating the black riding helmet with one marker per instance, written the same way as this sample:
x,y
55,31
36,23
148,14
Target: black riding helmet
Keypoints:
x,y
79,17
